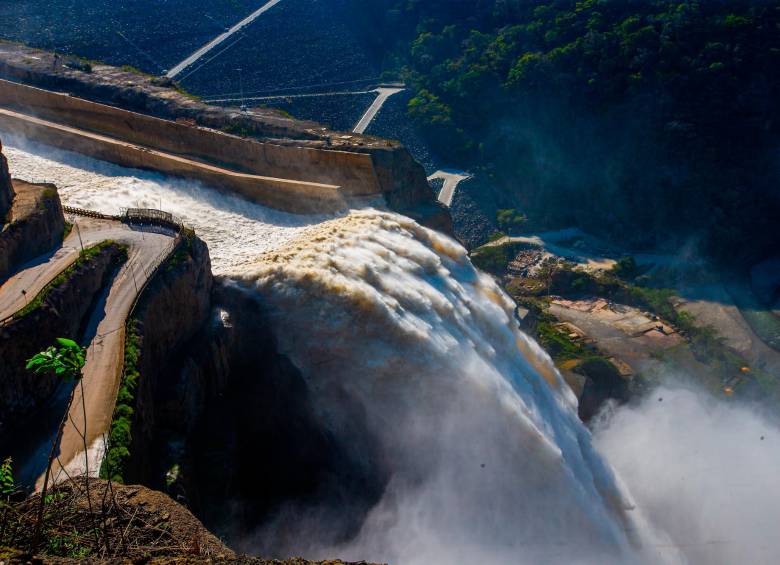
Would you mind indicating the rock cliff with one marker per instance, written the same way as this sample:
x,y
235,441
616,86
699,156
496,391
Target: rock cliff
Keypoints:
x,y
171,310
36,225
406,188
6,188
215,410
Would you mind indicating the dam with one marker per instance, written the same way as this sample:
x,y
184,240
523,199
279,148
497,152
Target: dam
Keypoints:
x,y
130,139
138,121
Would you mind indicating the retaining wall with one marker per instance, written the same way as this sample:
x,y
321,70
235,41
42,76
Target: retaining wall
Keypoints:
x,y
289,195
354,172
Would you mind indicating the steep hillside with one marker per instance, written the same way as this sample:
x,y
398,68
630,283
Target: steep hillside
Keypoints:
x,y
655,123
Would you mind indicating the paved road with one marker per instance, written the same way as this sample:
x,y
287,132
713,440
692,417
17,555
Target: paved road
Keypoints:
x,y
452,179
221,38
373,110
37,273
102,371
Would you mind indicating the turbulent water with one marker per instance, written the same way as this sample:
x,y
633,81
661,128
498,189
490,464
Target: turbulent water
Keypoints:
x,y
413,354
236,230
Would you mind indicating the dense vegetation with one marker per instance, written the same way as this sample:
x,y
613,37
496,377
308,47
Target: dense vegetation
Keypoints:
x,y
120,436
654,121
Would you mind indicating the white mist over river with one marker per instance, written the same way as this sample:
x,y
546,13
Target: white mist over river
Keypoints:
x,y
488,461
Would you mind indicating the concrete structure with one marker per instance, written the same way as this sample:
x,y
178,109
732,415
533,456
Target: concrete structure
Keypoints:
x,y
151,112
451,179
382,95
291,178
283,194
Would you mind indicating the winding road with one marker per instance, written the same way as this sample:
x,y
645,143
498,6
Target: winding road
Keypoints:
x,y
105,354
36,274
104,362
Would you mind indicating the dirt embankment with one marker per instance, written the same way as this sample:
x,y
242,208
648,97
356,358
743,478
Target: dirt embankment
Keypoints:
x,y
63,312
134,525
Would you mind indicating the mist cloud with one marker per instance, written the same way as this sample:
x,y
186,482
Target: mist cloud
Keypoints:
x,y
702,470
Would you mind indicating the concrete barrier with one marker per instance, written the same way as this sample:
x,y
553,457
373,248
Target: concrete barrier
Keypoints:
x,y
353,172
281,193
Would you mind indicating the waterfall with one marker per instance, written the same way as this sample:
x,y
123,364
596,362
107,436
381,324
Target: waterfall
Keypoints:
x,y
410,351
487,458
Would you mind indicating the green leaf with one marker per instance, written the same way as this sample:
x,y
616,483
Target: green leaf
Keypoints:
x,y
67,342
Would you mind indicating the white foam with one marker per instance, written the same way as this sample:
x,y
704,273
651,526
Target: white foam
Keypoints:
x,y
487,458
236,230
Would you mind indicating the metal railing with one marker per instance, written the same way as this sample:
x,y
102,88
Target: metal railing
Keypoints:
x,y
153,217
140,216
89,213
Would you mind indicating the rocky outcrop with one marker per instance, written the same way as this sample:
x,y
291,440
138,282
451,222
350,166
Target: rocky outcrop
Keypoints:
x,y
6,188
63,312
36,225
220,408
406,188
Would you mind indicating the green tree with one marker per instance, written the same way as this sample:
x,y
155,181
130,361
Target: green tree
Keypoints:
x,y
65,360
626,268
510,220
6,478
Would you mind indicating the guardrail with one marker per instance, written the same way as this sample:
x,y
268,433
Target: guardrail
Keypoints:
x,y
89,213
139,216
153,269
154,217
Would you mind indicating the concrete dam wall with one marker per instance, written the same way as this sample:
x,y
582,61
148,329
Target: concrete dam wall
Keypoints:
x,y
289,177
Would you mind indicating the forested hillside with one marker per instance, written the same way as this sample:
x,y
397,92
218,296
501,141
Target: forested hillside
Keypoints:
x,y
655,121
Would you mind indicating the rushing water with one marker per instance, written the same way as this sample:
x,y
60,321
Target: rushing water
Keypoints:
x,y
236,230
487,460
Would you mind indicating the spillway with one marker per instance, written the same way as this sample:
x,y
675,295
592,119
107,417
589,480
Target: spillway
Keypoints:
x,y
388,320
235,229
